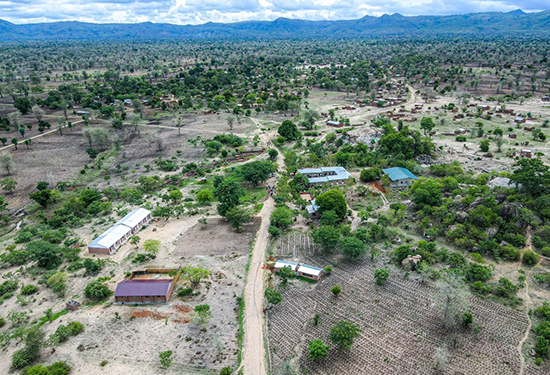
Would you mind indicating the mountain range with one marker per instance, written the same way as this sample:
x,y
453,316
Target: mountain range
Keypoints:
x,y
512,24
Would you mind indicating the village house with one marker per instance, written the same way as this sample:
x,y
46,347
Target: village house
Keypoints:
x,y
400,176
148,286
546,98
303,270
526,153
326,175
335,124
313,210
114,237
519,120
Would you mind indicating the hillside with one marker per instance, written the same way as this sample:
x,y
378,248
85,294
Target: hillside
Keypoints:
x,y
516,23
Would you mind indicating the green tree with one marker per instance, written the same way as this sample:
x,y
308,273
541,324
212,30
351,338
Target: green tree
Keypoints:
x,y
532,175
310,116
165,359
58,283
96,290
336,290
289,130
329,218
467,319
238,216
205,196
42,185
273,296
285,274
343,333
195,274
333,200
151,246
381,275
317,349
8,184
370,174
134,240
228,192
175,195
272,153
257,171
484,145
281,217
6,162
427,124
352,247
541,346
426,192
46,255
327,237
23,104
201,314
14,142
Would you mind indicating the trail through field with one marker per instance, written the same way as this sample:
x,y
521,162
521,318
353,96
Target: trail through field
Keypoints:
x,y
527,303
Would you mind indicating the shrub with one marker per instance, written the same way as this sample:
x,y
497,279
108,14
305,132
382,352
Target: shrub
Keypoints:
x,y
29,289
336,290
226,371
274,231
467,319
381,275
530,258
185,292
97,290
477,272
461,138
165,358
327,270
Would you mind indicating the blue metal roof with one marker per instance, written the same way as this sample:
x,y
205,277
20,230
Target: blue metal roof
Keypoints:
x,y
397,173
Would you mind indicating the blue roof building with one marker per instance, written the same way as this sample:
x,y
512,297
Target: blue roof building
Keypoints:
x,y
400,176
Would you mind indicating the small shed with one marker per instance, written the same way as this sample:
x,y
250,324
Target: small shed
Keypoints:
x,y
310,272
313,210
526,153
400,176
336,124
512,135
72,305
546,98
519,120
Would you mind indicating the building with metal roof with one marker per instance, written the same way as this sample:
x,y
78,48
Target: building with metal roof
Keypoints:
x,y
144,291
400,176
313,210
110,240
324,175
310,272
281,264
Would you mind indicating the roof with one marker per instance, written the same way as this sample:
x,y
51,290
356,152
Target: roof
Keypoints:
x,y
110,236
397,173
519,118
141,287
315,271
339,173
312,208
333,122
282,263
134,217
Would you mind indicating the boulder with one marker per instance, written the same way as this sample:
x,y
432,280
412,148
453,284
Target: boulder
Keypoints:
x,y
492,232
410,263
509,211
461,217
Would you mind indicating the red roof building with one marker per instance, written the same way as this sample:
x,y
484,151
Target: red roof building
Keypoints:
x,y
144,290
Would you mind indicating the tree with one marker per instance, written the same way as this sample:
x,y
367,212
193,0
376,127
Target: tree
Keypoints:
x,y
165,359
499,141
230,120
343,333
352,247
426,192
336,290
285,273
42,185
257,171
3,204
228,192
273,296
532,175
14,118
96,290
58,283
427,124
205,196
151,246
333,200
195,274
281,217
43,197
484,145
317,349
289,130
455,298
370,174
23,104
541,346
327,237
6,162
22,131
116,123
175,195
134,240
381,275
272,153
15,142
3,140
467,319
46,255
201,314
8,184
38,113
310,116
238,216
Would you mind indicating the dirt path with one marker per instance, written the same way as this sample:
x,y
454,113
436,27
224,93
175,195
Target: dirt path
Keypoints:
x,y
39,135
527,299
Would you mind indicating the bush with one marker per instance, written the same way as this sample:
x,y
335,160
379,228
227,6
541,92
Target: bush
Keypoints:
x,y
97,290
274,231
185,292
467,319
29,289
327,270
226,371
461,138
336,290
477,272
381,275
57,368
530,258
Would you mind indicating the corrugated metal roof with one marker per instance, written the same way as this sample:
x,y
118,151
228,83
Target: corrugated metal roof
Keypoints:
x,y
282,263
142,287
396,174
134,217
313,207
334,174
110,236
310,270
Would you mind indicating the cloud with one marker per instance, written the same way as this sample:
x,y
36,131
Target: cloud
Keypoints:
x,y
201,11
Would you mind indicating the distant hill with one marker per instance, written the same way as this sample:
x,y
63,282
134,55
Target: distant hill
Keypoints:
x,y
515,23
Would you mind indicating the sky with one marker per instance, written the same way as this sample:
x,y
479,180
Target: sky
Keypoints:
x,y
201,11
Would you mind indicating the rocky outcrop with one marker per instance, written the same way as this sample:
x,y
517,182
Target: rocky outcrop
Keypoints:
x,y
410,263
510,211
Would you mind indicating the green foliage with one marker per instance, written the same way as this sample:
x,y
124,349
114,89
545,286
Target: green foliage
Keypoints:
x,y
329,218
151,246
467,319
327,237
484,145
285,273
205,196
332,200
530,258
56,368
541,346
165,358
46,255
201,314
228,192
370,174
336,290
402,252
281,217
257,171
273,296
426,192
532,175
381,275
96,290
343,333
427,124
477,272
195,274
185,292
317,349
226,371
327,270
274,231
289,130
238,216
33,341
29,289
